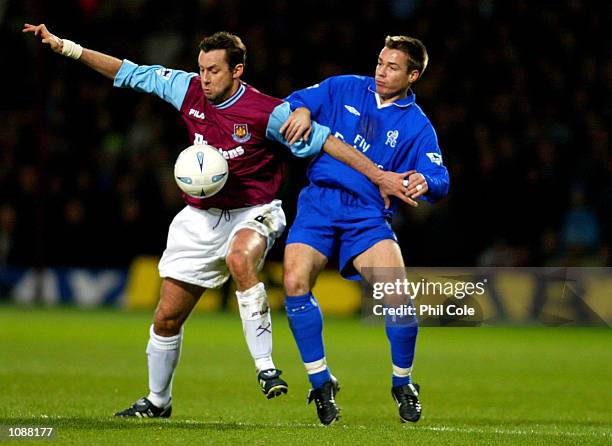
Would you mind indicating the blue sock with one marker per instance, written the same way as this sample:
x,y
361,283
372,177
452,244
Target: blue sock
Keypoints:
x,y
402,334
306,323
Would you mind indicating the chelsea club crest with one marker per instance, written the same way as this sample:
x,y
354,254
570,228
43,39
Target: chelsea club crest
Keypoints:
x,y
241,133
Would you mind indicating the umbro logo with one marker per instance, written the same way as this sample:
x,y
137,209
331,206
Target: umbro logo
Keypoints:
x,y
352,110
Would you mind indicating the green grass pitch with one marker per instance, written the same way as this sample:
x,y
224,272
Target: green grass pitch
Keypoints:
x,y
71,369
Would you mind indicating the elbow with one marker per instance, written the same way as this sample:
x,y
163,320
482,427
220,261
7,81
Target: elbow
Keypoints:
x,y
438,189
445,187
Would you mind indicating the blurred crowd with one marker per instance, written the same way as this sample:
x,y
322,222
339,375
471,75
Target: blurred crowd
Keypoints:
x,y
519,93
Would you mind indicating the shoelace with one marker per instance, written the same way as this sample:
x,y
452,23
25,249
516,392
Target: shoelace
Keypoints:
x,y
224,214
409,400
319,401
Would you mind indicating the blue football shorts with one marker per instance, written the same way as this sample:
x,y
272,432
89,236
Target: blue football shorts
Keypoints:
x,y
337,223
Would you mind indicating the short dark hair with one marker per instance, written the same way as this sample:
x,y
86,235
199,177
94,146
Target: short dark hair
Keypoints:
x,y
235,51
414,49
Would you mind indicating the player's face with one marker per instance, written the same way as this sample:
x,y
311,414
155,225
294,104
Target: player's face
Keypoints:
x,y
219,82
392,76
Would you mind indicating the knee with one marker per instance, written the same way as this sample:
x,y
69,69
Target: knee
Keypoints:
x,y
166,325
239,263
296,284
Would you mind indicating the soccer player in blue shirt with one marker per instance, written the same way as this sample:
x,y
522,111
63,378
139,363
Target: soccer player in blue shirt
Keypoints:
x,y
341,214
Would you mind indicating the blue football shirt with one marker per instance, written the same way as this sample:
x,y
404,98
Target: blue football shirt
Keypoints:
x,y
396,136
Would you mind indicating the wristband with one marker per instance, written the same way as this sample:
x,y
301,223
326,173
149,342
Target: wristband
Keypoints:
x,y
71,49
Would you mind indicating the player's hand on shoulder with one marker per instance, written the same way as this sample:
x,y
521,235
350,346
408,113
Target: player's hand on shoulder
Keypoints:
x,y
396,185
54,42
297,126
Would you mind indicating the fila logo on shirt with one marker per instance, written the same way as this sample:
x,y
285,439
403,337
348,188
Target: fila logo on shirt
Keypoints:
x,y
392,138
196,113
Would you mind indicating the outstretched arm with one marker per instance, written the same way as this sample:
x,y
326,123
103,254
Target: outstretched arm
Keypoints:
x,y
170,85
104,64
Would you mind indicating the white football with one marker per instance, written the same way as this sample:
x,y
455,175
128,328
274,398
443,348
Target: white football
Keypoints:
x,y
200,171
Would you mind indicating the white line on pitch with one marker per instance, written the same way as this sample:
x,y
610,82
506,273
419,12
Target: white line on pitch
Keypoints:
x,y
471,430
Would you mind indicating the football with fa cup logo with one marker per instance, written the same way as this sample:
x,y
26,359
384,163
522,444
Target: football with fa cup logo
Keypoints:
x,y
200,171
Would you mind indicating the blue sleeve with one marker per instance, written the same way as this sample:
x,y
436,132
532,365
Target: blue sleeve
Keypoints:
x,y
301,148
170,85
429,163
315,98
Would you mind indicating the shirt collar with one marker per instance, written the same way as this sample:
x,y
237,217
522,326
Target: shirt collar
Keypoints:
x,y
233,99
401,103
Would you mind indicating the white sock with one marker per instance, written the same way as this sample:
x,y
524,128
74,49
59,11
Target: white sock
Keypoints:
x,y
257,325
163,355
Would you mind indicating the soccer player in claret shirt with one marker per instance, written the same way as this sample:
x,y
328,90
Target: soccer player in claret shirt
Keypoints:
x,y
341,214
231,232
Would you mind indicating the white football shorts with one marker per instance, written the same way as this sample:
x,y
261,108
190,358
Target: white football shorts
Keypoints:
x,y
198,241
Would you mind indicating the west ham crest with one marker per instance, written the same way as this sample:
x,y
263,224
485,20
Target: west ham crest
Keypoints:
x,y
241,133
